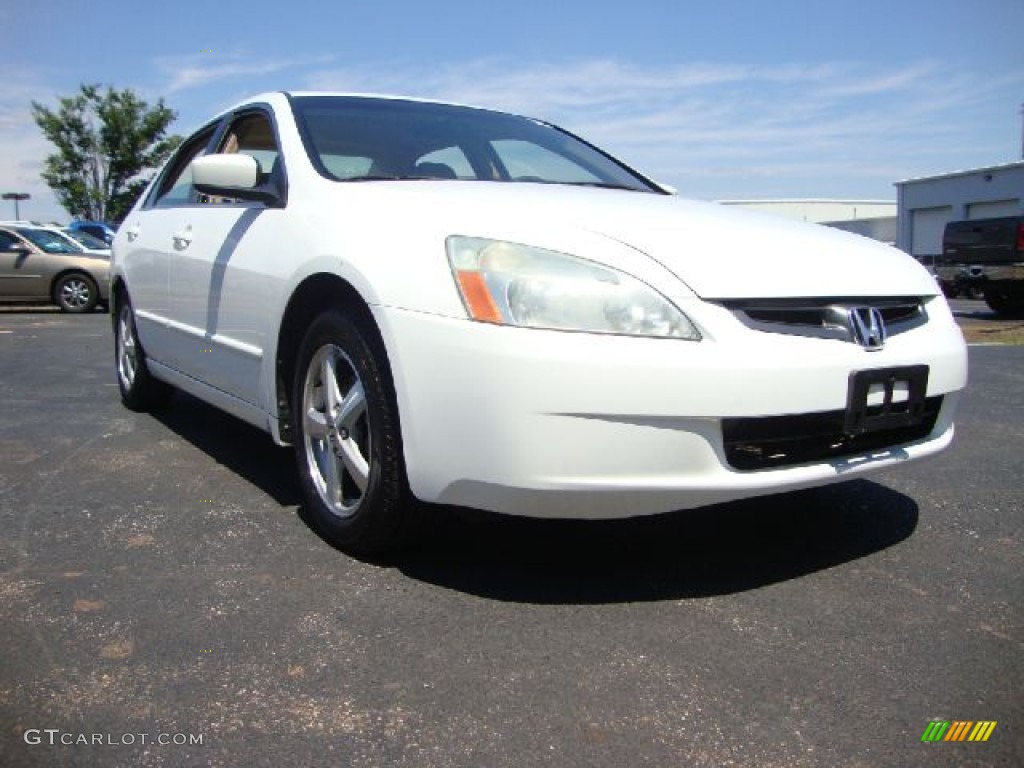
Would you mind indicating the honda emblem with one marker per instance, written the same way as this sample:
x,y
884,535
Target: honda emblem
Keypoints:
x,y
867,327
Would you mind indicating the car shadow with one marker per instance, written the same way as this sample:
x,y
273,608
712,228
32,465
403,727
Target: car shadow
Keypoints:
x,y
716,550
29,309
242,448
45,309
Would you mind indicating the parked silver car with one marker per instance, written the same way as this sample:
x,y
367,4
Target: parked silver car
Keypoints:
x,y
37,264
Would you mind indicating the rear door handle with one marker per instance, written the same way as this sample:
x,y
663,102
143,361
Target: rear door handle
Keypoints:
x,y
133,232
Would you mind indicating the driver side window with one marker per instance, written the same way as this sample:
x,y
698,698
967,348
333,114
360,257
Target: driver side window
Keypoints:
x,y
252,134
176,185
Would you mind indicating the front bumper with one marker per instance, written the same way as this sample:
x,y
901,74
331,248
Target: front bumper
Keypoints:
x,y
555,424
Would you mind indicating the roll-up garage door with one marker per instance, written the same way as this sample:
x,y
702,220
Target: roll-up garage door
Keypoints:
x,y
994,209
927,226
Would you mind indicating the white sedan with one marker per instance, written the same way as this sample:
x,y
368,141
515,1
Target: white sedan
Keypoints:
x,y
463,306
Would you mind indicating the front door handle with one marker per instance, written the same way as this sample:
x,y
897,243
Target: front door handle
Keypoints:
x,y
183,238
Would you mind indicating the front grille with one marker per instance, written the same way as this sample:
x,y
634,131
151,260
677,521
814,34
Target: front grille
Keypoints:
x,y
818,318
779,441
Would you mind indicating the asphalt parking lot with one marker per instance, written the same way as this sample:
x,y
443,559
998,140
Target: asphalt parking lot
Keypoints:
x,y
157,580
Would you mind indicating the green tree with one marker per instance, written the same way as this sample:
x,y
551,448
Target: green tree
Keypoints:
x,y
108,143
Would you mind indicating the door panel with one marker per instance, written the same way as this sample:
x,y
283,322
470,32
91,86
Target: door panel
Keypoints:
x,y
23,276
216,285
139,246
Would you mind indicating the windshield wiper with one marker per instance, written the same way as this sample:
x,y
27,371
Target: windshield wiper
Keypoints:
x,y
602,185
385,177
397,177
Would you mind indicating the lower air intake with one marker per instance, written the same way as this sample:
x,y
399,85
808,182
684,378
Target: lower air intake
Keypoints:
x,y
780,441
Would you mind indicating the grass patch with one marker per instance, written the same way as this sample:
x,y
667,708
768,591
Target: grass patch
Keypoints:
x,y
1001,333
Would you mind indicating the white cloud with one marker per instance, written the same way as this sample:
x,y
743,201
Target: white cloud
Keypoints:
x,y
199,70
23,149
857,82
194,71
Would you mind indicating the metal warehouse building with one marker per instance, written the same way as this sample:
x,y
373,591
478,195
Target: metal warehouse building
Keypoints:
x,y
927,204
870,218
820,211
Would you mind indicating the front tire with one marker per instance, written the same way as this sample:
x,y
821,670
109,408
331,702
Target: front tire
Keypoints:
x,y
139,390
76,292
348,445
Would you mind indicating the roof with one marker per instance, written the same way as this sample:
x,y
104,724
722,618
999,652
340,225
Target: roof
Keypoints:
x,y
803,200
265,96
969,172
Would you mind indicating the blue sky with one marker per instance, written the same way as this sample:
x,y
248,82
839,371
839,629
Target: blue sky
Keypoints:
x,y
730,99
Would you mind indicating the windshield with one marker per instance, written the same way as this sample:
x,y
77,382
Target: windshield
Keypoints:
x,y
367,139
84,238
51,242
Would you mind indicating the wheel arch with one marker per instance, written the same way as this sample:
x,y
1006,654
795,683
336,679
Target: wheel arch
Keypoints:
x,y
314,295
118,290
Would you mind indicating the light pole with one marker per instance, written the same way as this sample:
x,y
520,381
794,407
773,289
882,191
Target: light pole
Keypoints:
x,y
16,196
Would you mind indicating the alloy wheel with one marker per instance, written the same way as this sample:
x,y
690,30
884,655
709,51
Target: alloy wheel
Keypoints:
x,y
336,430
75,293
127,348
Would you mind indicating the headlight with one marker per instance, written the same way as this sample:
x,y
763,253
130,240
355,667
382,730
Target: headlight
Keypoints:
x,y
512,284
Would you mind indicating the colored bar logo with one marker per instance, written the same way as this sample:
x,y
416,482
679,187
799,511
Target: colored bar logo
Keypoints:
x,y
958,730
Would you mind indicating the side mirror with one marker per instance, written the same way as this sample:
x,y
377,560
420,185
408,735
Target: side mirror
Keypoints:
x,y
232,176
20,248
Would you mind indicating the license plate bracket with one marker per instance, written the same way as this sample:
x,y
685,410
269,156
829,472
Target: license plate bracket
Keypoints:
x,y
864,414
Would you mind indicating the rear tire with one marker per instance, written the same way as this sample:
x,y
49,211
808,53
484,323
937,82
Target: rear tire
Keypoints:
x,y
348,445
139,390
1004,304
76,292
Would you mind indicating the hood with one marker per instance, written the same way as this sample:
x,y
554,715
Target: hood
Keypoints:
x,y
728,253
720,252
